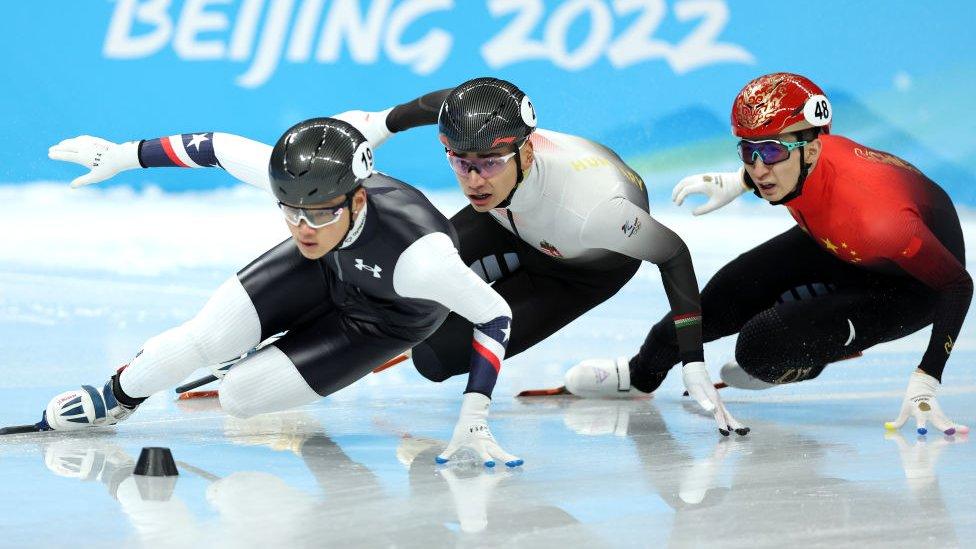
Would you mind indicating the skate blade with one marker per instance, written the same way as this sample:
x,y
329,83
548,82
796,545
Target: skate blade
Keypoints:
x,y
190,395
561,390
18,429
719,385
186,387
390,363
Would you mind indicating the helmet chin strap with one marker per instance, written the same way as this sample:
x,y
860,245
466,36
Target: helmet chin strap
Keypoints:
x,y
352,220
518,178
804,170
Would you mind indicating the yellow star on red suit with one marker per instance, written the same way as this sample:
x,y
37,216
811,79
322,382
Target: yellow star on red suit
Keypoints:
x,y
829,245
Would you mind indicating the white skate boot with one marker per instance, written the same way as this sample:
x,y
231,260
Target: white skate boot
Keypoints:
x,y
734,376
601,378
85,407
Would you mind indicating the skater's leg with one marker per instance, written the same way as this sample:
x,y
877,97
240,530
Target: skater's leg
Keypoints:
x,y
266,381
235,319
795,340
226,327
541,305
276,291
750,283
309,362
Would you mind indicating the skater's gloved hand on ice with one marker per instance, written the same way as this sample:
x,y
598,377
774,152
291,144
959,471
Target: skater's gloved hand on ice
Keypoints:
x,y
700,387
720,188
102,157
920,402
472,433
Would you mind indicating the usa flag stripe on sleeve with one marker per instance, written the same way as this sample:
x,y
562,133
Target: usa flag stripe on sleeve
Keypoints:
x,y
167,146
176,142
488,350
491,357
489,347
188,150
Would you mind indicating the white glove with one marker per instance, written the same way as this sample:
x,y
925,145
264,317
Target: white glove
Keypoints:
x,y
700,388
472,433
920,402
720,188
371,124
102,157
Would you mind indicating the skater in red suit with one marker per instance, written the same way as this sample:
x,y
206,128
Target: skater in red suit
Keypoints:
x,y
877,253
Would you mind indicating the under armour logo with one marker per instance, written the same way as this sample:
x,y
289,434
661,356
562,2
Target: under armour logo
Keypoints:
x,y
375,269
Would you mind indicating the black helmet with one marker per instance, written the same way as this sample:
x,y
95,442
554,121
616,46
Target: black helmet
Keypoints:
x,y
318,160
484,113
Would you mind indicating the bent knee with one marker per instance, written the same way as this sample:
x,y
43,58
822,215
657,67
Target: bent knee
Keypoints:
x,y
766,350
233,399
428,364
264,382
762,347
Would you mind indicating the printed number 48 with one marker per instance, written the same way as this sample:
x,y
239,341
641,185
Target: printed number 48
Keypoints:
x,y
822,111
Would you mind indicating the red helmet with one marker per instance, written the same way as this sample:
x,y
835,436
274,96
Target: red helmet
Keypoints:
x,y
777,103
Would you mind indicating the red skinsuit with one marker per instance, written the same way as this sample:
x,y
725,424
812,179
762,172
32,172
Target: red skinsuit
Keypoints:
x,y
875,210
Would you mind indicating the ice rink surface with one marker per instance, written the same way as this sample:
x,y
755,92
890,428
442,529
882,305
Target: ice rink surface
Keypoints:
x,y
86,276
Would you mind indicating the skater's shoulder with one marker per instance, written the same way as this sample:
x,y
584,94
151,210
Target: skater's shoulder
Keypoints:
x,y
402,209
580,173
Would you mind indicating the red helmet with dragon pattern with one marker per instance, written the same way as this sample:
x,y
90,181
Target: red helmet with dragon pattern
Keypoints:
x,y
779,103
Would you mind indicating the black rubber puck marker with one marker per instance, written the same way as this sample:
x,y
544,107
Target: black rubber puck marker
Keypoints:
x,y
156,462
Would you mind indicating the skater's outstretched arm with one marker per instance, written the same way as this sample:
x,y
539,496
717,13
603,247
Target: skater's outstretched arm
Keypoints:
x,y
621,226
245,159
905,240
432,269
378,126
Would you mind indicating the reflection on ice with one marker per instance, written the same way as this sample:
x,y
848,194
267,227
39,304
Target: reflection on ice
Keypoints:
x,y
779,487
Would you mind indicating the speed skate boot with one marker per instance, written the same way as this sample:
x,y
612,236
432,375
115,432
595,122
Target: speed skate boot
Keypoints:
x,y
734,376
601,378
86,407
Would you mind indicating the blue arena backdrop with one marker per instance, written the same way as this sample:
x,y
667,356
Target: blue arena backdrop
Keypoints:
x,y
653,79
